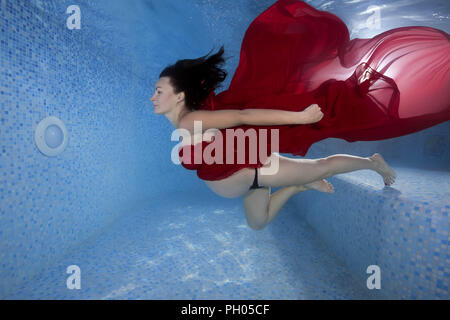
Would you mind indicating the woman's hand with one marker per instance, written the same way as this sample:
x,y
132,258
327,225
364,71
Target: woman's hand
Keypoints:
x,y
312,114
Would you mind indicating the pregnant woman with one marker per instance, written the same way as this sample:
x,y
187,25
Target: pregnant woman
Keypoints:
x,y
300,75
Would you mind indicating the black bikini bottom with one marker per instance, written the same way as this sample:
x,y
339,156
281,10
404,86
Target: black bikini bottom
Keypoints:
x,y
255,181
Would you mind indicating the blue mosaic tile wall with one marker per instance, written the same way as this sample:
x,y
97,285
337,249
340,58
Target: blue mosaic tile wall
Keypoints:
x,y
198,246
49,205
403,229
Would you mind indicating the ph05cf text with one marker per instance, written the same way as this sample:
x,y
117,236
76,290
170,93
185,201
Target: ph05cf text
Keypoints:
x,y
246,309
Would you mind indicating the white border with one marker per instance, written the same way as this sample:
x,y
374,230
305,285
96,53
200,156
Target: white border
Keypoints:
x,y
40,140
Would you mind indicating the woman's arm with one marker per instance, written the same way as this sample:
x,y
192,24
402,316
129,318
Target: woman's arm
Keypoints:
x,y
221,119
268,117
218,119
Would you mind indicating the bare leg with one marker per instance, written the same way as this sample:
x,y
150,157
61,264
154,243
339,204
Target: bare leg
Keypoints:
x,y
383,169
261,207
279,198
320,185
304,171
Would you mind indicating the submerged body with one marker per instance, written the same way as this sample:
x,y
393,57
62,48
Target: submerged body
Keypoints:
x,y
300,74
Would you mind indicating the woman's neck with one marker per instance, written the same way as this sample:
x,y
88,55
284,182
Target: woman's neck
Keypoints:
x,y
176,115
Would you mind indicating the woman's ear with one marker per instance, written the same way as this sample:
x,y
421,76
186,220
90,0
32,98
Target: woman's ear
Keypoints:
x,y
180,96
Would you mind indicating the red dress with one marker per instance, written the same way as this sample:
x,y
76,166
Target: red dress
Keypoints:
x,y
294,55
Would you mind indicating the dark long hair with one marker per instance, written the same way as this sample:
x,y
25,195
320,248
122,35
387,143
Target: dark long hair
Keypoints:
x,y
196,77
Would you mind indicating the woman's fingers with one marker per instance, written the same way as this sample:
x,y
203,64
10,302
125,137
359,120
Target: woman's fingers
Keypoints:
x,y
313,113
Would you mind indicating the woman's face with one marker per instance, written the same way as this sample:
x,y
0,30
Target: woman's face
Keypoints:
x,y
164,99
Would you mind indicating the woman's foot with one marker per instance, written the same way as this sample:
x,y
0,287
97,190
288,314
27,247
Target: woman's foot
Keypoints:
x,y
320,185
383,169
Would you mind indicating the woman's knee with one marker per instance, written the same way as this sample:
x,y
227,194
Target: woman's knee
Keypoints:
x,y
256,204
256,219
256,225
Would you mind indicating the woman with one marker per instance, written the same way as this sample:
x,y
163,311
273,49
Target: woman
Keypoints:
x,y
300,74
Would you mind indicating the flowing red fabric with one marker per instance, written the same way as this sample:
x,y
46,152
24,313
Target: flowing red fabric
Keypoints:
x,y
294,55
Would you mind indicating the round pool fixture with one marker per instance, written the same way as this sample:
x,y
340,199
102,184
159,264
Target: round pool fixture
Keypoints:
x,y
51,136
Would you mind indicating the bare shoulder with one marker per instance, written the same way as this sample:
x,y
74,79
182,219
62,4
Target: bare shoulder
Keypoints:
x,y
218,119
